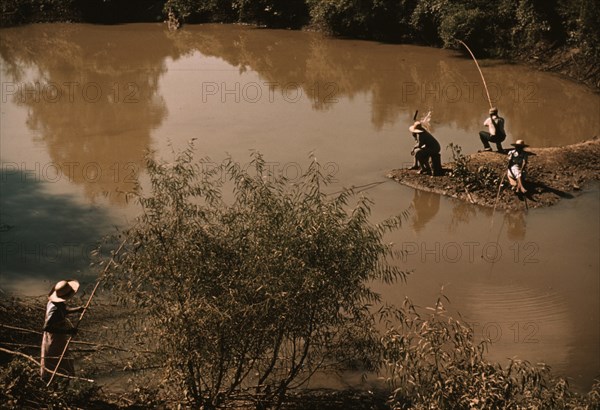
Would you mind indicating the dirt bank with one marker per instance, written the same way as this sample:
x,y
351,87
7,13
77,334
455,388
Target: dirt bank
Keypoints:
x,y
553,174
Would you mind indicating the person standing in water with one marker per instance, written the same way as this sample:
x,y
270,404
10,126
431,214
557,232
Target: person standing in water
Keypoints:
x,y
58,329
495,133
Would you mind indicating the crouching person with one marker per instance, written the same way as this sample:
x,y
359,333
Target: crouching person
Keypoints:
x,y
426,147
517,166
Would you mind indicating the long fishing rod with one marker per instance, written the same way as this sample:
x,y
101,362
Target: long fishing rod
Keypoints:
x,y
85,309
480,72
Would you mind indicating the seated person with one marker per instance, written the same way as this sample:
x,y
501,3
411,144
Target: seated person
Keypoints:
x,y
426,146
517,164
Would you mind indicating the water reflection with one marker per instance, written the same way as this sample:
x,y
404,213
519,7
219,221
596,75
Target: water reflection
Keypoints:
x,y
94,96
400,79
91,95
424,207
516,225
361,98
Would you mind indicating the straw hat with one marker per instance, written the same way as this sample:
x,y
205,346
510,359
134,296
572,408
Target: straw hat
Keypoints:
x,y
519,143
63,290
417,127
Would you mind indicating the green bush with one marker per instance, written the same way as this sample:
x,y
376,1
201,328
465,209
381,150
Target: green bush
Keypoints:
x,y
273,13
484,178
250,296
432,362
376,19
469,25
13,12
23,388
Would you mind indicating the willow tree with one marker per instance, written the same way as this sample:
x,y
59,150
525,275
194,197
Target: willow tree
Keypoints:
x,y
251,283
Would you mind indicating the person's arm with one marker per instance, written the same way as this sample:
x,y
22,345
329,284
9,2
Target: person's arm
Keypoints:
x,y
77,309
54,323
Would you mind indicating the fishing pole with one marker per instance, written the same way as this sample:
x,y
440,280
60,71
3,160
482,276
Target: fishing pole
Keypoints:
x,y
112,259
480,72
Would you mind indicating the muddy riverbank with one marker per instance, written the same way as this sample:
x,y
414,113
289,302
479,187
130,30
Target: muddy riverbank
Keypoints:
x,y
553,174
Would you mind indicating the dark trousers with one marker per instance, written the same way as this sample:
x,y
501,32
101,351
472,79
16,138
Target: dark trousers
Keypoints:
x,y
422,157
486,138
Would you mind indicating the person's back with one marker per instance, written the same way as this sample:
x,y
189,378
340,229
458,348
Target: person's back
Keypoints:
x,y
499,127
496,132
430,143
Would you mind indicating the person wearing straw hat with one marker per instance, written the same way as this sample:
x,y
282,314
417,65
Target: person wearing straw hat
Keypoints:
x,y
58,329
426,147
517,164
495,131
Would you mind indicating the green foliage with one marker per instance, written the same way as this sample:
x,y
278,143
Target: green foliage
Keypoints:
x,y
505,28
203,10
254,294
378,19
469,25
273,13
432,362
485,178
22,387
13,12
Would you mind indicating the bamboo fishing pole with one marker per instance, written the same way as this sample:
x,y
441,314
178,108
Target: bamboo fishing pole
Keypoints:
x,y
480,72
85,309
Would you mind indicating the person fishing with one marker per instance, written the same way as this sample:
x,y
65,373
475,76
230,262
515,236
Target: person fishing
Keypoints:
x,y
495,133
58,329
425,148
517,165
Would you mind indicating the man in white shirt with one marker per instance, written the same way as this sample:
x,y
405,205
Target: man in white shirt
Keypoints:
x,y
495,131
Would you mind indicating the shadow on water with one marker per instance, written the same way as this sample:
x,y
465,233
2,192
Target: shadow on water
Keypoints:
x,y
43,238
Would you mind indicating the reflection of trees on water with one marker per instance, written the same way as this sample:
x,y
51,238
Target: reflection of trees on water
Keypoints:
x,y
110,134
425,207
514,221
463,212
92,95
400,79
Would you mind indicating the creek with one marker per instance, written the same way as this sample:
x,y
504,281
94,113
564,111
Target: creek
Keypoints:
x,y
82,104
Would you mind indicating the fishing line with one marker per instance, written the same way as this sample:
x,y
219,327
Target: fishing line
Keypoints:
x,y
480,73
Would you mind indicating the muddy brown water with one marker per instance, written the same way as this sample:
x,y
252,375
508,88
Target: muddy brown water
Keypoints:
x,y
81,104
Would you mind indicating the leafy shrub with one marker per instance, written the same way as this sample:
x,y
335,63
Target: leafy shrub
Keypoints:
x,y
377,19
432,362
469,25
485,178
13,12
273,13
22,387
193,11
253,295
